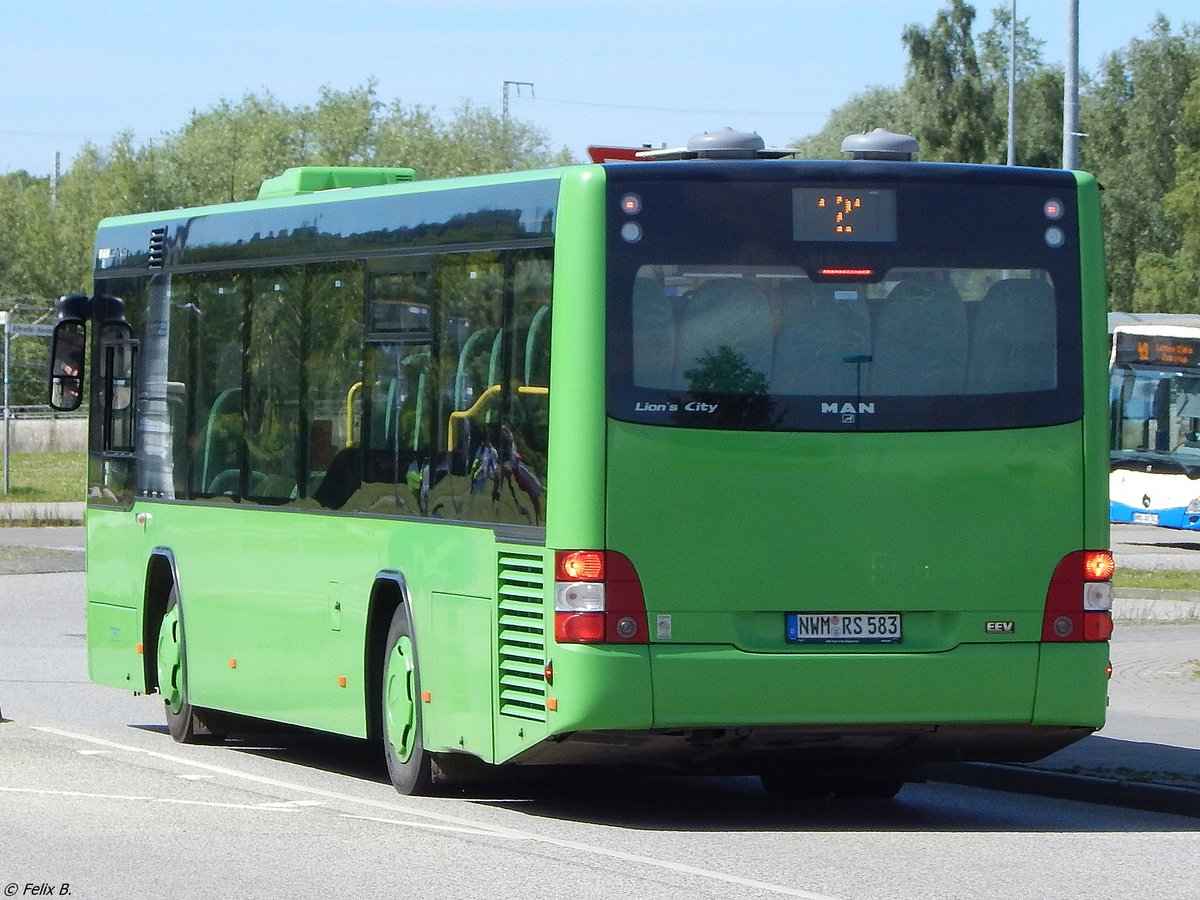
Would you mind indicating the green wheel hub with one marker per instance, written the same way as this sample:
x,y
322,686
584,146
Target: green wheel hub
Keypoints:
x,y
170,660
400,699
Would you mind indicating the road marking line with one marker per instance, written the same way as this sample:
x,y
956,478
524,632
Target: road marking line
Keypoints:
x,y
264,807
430,826
456,821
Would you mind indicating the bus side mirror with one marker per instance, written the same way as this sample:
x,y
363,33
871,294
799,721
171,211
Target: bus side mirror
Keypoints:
x,y
66,370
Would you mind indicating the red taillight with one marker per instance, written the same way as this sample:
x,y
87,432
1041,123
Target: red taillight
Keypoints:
x,y
598,599
1079,598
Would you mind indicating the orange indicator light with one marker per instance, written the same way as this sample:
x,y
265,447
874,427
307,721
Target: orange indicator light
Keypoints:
x,y
426,697
581,565
552,704
1098,565
140,648
233,662
341,681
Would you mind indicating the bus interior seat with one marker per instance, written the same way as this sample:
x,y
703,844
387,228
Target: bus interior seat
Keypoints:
x,y
653,335
725,312
1014,341
537,349
817,334
920,341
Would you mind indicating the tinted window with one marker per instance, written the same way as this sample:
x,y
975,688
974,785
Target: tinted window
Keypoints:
x,y
963,312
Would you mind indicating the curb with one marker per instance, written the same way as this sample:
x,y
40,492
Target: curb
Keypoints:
x,y
1020,779
1144,606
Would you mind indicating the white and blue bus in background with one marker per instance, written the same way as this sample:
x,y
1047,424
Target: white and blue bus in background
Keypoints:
x,y
1155,401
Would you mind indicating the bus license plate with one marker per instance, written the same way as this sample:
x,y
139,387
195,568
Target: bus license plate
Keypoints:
x,y
1145,518
843,628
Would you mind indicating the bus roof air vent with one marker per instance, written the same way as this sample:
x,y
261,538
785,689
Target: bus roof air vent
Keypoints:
x,y
724,143
310,179
881,144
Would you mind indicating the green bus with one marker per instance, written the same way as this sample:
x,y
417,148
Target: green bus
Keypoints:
x,y
702,459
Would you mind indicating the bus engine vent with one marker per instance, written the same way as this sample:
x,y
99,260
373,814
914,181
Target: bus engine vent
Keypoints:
x,y
158,248
522,636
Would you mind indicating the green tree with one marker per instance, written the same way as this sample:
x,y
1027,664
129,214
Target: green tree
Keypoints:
x,y
1134,114
954,106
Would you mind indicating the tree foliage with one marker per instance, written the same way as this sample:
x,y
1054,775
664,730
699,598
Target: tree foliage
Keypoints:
x,y
223,154
1140,112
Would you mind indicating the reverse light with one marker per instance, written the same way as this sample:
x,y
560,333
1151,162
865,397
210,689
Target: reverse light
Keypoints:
x,y
1079,598
598,599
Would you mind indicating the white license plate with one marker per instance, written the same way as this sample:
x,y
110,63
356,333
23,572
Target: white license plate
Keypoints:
x,y
1145,518
843,628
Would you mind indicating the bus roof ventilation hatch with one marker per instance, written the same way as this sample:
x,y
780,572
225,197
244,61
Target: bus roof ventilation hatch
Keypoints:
x,y
311,179
725,143
881,144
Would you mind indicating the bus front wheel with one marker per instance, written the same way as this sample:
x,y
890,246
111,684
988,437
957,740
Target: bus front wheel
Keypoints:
x,y
409,764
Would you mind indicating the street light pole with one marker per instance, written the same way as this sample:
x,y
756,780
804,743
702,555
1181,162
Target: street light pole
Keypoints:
x,y
1012,86
1070,155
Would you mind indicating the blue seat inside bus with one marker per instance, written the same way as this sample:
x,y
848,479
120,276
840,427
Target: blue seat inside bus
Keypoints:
x,y
1014,340
818,337
921,341
653,334
724,313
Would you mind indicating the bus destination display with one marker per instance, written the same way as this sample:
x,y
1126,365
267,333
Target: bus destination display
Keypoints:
x,y
844,214
1157,350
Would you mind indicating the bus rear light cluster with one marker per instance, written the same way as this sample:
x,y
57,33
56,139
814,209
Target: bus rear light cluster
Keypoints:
x,y
598,599
1079,599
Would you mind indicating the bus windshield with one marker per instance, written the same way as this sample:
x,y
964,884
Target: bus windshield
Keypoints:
x,y
1156,417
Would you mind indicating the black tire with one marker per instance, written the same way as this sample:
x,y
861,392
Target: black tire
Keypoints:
x,y
409,763
783,784
183,720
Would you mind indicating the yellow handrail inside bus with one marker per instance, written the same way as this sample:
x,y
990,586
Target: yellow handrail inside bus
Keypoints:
x,y
451,443
354,389
467,413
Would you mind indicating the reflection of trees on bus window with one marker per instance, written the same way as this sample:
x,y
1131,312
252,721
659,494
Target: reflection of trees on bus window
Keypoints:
x,y
492,323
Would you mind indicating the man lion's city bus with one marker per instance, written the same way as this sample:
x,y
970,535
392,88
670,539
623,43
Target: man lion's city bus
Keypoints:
x,y
699,460
1155,401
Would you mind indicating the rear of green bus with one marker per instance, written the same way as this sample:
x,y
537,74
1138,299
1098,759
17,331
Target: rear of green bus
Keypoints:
x,y
854,468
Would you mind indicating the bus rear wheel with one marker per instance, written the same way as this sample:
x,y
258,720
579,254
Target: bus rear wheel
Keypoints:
x,y
183,720
409,764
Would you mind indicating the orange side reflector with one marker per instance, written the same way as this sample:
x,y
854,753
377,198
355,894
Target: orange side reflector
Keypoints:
x,y
341,681
552,703
233,662
140,648
426,697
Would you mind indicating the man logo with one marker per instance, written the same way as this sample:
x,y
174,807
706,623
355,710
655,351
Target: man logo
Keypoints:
x,y
848,409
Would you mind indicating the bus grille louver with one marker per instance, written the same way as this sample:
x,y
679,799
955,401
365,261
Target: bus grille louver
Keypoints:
x,y
158,248
522,636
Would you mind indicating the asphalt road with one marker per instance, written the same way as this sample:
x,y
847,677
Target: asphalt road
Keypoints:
x,y
1154,548
95,795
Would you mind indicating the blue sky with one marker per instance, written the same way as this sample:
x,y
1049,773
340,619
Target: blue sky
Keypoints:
x,y
609,72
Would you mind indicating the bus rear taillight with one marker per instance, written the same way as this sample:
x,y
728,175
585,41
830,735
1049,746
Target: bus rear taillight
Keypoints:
x,y
1079,599
598,599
